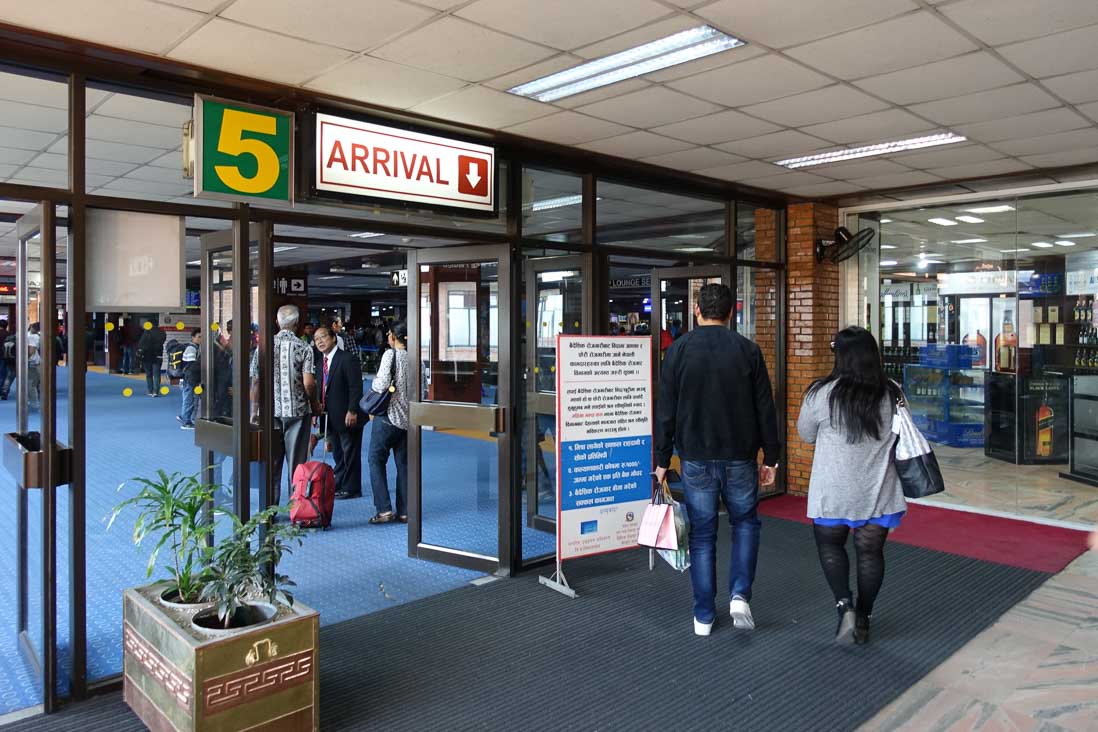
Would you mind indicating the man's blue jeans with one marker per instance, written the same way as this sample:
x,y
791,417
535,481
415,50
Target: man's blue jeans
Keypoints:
x,y
190,404
705,483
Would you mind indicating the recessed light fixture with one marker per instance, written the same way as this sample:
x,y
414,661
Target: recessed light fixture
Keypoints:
x,y
924,255
691,250
970,219
1080,235
365,235
968,241
943,222
887,246
881,148
195,262
329,277
1002,208
547,204
886,221
1041,245
283,249
1064,243
1012,251
888,263
679,48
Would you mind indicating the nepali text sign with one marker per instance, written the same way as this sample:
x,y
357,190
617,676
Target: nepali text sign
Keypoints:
x,y
363,159
604,442
242,152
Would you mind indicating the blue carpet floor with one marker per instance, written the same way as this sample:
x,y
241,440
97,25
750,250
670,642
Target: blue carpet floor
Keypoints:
x,y
351,570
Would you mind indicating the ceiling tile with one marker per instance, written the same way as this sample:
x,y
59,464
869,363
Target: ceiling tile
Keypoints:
x,y
650,107
140,109
1026,125
111,151
719,127
1063,159
331,22
25,139
140,25
758,80
717,60
996,22
203,6
1090,110
859,169
759,20
876,127
159,175
787,143
376,81
949,155
33,117
785,181
896,180
1062,53
568,128
127,131
563,24
823,105
440,4
630,39
42,176
1009,101
173,159
979,170
32,90
606,92
270,56
941,79
133,185
741,171
14,156
113,168
560,62
1075,88
53,161
909,40
636,145
455,47
694,159
1075,140
477,105
821,190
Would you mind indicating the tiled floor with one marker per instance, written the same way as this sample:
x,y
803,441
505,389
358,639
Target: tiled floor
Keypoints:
x,y
975,480
1036,669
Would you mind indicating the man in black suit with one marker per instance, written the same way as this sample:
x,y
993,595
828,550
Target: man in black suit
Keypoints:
x,y
341,390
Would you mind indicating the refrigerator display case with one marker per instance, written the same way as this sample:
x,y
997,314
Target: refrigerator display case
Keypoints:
x,y
947,403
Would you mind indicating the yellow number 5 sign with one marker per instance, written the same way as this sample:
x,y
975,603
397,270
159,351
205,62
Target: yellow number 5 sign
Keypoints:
x,y
242,151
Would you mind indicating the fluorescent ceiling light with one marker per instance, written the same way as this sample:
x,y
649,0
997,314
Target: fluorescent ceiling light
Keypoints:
x,y
943,222
365,235
886,221
555,276
283,249
329,277
1012,251
195,262
675,49
693,249
558,202
970,219
1003,208
924,255
1081,235
924,262
968,241
887,246
881,148
1041,245
888,262
1064,243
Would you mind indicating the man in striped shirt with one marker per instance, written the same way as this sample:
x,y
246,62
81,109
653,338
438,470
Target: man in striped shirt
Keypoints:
x,y
295,402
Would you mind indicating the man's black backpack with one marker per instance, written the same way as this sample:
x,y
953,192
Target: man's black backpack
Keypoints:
x,y
9,348
175,359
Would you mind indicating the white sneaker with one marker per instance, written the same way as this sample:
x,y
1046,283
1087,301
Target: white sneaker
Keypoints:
x,y
701,628
741,614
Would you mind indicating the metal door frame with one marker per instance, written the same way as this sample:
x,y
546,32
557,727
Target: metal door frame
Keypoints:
x,y
659,274
39,222
544,402
498,418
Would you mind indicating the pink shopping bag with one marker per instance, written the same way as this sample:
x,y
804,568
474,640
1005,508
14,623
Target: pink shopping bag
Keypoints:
x,y
657,529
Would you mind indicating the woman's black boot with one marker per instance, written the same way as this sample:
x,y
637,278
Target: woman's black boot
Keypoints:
x,y
861,628
844,633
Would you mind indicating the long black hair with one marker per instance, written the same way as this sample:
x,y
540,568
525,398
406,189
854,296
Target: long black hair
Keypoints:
x,y
860,385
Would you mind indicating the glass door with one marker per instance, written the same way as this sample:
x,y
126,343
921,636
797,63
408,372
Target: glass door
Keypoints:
x,y
459,444
674,293
557,303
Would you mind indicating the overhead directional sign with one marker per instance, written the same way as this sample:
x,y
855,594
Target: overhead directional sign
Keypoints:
x,y
242,152
369,160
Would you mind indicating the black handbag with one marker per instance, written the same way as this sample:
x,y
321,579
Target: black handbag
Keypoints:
x,y
375,404
915,463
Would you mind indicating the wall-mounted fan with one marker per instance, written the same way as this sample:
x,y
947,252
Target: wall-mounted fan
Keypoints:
x,y
844,246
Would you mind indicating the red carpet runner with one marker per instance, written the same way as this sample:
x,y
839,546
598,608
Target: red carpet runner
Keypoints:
x,y
989,538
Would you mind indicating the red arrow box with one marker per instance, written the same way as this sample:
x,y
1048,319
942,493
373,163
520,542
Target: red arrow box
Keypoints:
x,y
472,176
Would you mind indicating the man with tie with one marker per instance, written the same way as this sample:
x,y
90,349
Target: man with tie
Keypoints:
x,y
340,393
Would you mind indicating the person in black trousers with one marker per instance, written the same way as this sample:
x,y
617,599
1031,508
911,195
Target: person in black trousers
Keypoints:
x,y
150,347
340,393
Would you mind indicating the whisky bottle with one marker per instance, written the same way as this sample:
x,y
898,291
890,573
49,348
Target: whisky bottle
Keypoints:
x,y
1044,429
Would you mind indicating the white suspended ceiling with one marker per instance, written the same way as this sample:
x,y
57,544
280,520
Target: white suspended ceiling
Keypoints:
x,y
1019,78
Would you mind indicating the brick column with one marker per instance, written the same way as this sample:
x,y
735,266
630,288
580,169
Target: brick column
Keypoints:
x,y
812,306
765,287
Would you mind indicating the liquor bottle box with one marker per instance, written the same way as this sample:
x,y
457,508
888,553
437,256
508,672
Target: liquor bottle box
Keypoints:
x,y
1038,314
1054,313
1044,334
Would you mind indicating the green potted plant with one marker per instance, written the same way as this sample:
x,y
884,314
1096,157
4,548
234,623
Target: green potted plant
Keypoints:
x,y
243,581
172,508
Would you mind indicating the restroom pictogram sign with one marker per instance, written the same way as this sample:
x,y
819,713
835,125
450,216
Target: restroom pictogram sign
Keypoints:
x,y
364,159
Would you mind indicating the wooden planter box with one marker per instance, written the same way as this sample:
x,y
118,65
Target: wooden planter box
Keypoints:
x,y
263,677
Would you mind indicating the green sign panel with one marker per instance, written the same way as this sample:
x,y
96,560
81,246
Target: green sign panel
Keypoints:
x,y
241,151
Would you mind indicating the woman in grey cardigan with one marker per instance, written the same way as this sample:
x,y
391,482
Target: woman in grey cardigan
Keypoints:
x,y
854,486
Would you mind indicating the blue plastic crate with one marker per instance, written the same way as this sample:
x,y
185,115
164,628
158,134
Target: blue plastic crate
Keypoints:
x,y
956,434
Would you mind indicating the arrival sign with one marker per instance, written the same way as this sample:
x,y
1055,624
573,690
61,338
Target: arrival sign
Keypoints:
x,y
369,160
604,445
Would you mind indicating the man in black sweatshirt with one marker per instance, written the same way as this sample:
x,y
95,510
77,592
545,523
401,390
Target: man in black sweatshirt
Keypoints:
x,y
716,407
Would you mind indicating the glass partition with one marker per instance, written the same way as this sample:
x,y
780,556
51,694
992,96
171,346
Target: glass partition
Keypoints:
x,y
34,125
647,219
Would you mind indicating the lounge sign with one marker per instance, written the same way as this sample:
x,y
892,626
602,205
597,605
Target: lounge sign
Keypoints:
x,y
363,159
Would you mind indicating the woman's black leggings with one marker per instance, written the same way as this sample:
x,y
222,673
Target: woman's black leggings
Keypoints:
x,y
869,541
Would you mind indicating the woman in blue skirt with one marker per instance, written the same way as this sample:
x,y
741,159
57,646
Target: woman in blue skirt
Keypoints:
x,y
854,486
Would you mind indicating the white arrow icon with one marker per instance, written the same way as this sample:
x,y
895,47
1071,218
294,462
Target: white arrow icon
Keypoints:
x,y
473,176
